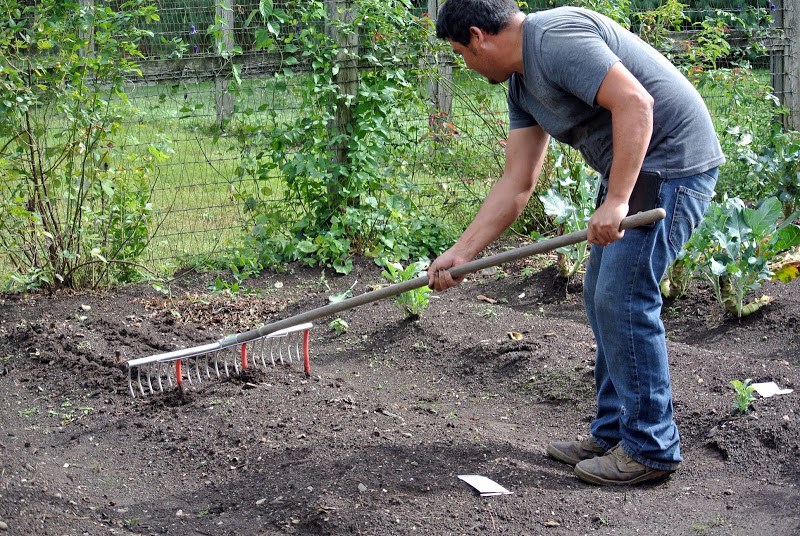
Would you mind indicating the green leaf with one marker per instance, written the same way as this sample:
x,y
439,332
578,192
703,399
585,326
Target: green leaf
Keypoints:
x,y
265,7
717,268
556,206
236,76
762,220
306,246
786,238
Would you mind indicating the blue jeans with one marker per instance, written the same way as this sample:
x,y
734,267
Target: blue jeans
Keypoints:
x,y
623,303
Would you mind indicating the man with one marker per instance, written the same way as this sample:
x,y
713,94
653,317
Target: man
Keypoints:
x,y
578,76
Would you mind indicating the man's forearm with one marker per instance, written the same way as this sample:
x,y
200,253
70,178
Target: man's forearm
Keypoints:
x,y
499,210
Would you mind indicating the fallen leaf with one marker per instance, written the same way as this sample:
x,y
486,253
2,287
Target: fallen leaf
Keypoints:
x,y
552,523
515,335
486,299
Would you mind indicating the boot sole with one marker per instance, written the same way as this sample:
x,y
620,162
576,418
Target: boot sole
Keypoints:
x,y
651,476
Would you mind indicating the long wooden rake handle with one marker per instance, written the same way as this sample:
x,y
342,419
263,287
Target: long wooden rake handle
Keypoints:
x,y
636,220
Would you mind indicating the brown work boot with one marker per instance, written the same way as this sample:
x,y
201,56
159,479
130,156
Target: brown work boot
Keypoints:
x,y
572,452
616,468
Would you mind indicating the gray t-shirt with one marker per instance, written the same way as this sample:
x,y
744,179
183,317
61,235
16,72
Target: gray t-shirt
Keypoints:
x,y
567,53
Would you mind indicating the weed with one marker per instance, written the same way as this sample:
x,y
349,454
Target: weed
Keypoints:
x,y
67,413
338,325
323,282
744,397
28,412
489,313
414,301
527,272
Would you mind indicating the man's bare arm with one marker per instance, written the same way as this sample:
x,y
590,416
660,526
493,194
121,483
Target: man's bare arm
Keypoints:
x,y
525,153
631,108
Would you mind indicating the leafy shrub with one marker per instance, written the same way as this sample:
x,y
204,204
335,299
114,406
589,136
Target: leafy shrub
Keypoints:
x,y
75,209
333,160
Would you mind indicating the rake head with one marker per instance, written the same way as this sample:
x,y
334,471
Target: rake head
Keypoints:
x,y
169,370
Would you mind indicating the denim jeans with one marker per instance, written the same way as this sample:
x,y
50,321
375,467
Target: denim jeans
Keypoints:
x,y
623,302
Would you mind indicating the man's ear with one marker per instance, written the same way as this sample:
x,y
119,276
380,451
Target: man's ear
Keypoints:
x,y
476,37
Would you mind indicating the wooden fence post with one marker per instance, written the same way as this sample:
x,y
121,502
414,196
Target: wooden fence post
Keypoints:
x,y
439,86
791,27
343,12
224,42
88,33
785,60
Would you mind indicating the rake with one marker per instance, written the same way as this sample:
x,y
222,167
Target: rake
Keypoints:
x,y
280,340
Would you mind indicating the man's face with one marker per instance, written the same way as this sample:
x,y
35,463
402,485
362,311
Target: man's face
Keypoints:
x,y
478,61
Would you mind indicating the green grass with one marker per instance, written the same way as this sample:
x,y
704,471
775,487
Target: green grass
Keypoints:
x,y
198,197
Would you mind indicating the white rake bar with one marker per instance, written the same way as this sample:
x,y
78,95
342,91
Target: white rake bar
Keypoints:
x,y
217,358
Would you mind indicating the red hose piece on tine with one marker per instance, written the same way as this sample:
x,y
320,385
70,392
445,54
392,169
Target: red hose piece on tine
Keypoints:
x,y
178,372
244,356
306,360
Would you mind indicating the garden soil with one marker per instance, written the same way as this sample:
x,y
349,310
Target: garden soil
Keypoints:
x,y
372,443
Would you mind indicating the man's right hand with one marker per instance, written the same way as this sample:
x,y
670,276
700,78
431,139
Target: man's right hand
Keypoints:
x,y
439,277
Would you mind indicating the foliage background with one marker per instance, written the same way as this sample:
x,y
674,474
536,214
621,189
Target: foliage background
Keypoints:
x,y
245,101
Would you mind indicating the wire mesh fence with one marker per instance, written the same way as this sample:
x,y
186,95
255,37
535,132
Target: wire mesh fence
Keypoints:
x,y
217,73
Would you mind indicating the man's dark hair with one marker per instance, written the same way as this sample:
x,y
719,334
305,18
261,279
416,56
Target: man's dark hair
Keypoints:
x,y
457,16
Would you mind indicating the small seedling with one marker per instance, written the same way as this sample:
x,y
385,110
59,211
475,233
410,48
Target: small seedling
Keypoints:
x,y
338,325
744,394
347,293
489,313
28,412
527,272
412,302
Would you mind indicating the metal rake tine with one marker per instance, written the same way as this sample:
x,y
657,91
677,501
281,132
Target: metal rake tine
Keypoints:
x,y
216,363
170,366
289,347
263,341
298,338
235,361
225,362
272,351
149,380
139,380
208,371
197,369
158,376
188,372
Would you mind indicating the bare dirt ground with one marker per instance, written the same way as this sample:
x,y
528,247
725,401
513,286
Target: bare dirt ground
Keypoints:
x,y
394,410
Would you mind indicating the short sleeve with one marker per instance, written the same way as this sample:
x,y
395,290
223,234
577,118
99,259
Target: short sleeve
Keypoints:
x,y
518,117
576,58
